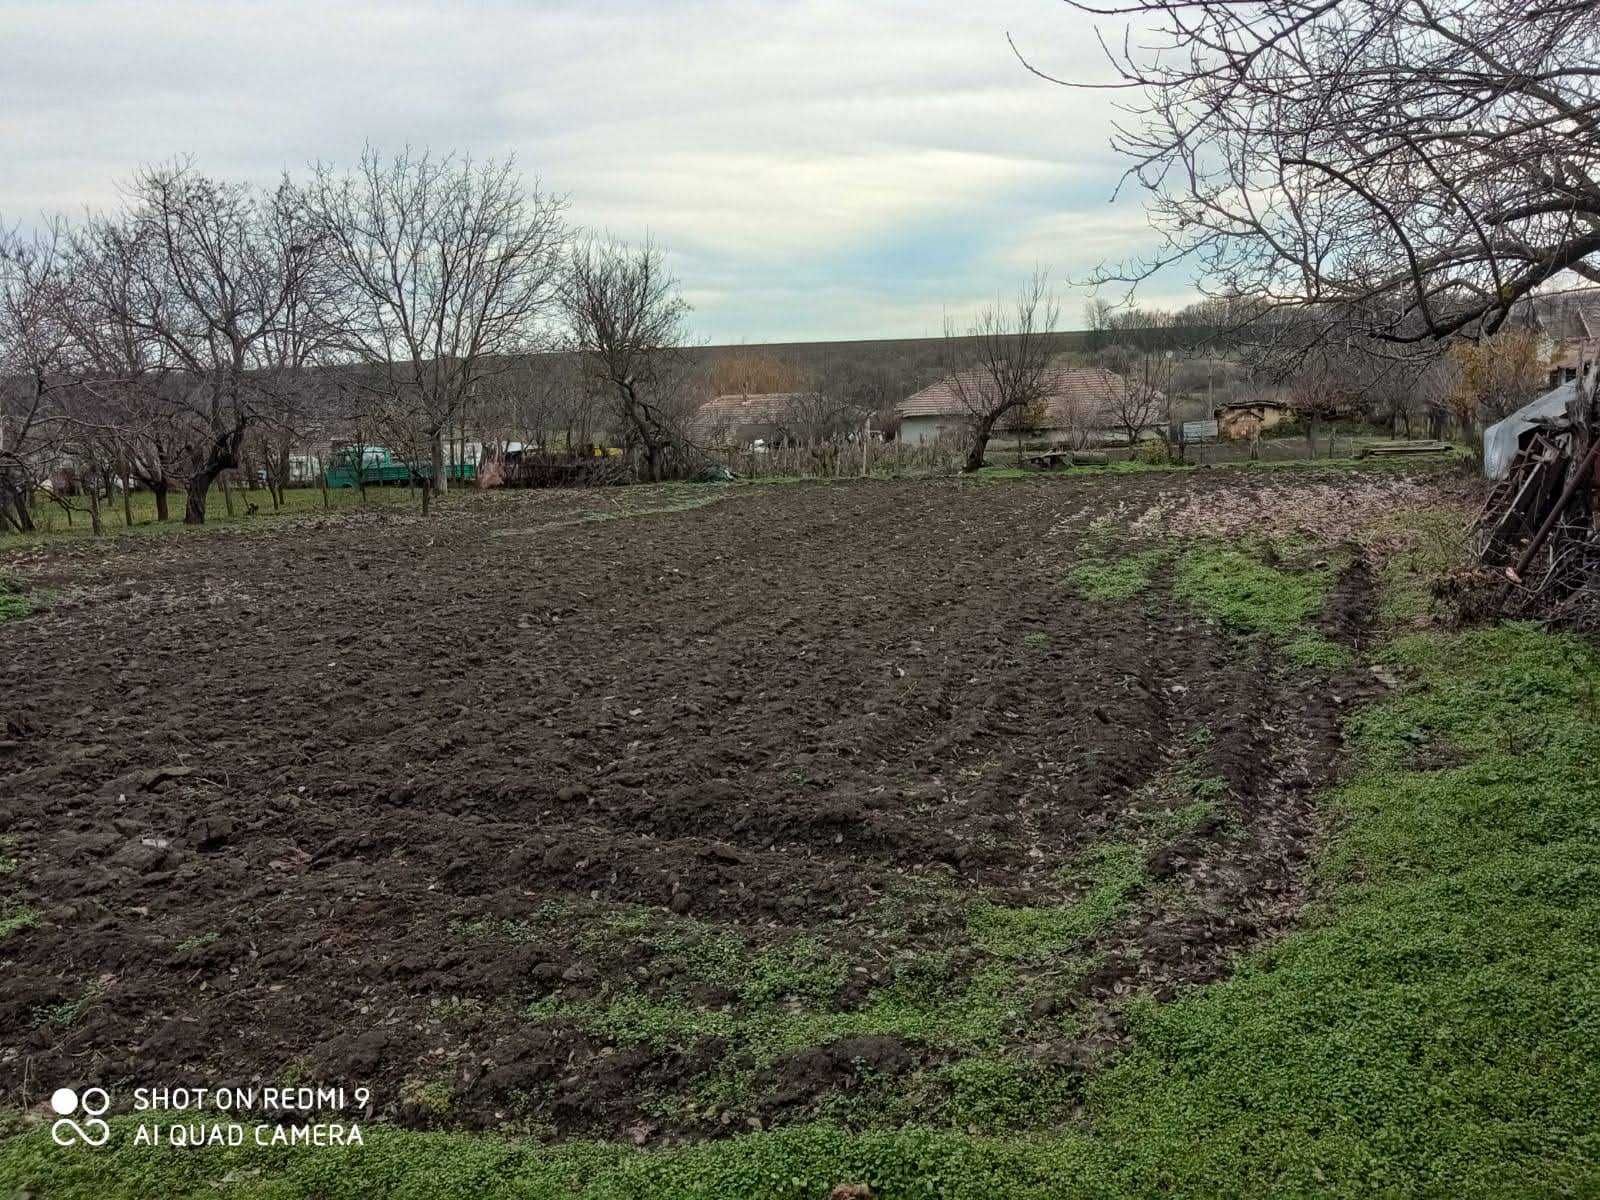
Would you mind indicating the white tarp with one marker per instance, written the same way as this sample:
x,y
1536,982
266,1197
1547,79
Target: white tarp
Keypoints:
x,y
1500,440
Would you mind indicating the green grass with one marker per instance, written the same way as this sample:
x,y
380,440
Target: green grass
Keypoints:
x,y
1434,542
53,525
926,1001
1236,589
1118,579
14,601
1035,932
1315,651
16,917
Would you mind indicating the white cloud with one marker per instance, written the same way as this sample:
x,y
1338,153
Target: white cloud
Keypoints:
x,y
818,167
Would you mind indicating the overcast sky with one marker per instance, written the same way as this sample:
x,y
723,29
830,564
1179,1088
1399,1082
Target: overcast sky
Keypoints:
x,y
816,168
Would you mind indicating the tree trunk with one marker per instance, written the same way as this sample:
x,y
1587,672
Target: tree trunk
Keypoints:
x,y
283,475
437,483
980,443
223,456
93,492
227,495
127,500
16,506
159,489
194,504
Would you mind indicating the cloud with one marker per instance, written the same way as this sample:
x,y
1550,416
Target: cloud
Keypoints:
x,y
815,167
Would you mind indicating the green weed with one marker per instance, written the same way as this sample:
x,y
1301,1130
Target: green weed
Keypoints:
x,y
1314,651
1035,932
14,601
1114,580
66,1014
16,917
1238,590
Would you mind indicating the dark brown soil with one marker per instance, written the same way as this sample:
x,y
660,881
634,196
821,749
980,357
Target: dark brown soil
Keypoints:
x,y
302,805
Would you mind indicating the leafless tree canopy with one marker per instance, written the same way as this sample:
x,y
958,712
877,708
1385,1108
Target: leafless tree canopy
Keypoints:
x,y
215,269
999,367
445,269
626,321
1414,166
35,358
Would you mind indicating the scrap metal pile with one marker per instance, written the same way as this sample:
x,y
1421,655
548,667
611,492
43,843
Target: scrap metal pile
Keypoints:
x,y
1537,532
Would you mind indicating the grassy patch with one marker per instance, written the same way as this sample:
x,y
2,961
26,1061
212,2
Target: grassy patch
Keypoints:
x,y
1314,651
1431,541
16,917
1236,589
1027,933
925,1002
1113,580
52,523
14,601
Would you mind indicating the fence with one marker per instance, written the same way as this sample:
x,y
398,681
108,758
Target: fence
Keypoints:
x,y
843,458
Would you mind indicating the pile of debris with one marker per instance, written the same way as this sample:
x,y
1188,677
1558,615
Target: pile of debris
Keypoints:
x,y
1537,531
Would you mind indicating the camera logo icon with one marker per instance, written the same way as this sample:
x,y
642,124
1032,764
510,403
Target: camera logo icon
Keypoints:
x,y
93,1104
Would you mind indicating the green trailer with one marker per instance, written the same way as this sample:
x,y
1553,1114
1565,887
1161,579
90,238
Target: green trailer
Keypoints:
x,y
378,467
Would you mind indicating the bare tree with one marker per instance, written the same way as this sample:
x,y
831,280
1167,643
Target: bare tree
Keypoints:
x,y
1002,362
447,271
35,363
220,266
130,392
1423,166
626,321
1143,357
1321,390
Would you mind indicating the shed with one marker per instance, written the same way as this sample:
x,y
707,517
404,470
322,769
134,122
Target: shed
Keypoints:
x,y
1243,420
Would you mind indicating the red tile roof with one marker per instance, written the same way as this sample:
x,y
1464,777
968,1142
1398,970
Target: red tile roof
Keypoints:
x,y
1072,395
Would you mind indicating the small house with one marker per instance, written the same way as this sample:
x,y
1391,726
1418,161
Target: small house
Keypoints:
x,y
1078,402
